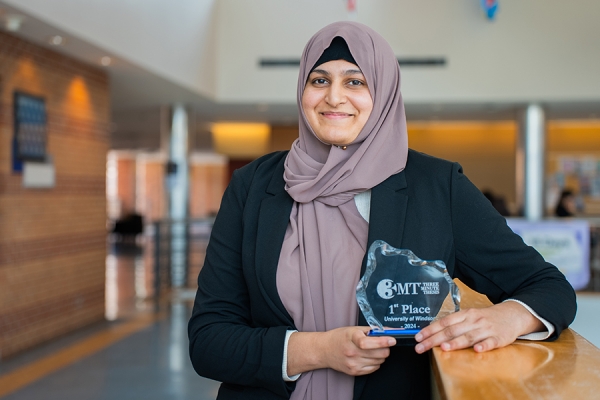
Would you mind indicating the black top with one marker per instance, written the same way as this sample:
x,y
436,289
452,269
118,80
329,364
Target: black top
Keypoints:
x,y
238,324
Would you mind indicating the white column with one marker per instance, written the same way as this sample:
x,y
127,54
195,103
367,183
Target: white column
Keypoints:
x,y
178,189
531,162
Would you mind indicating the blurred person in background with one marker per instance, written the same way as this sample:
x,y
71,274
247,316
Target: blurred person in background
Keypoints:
x,y
567,204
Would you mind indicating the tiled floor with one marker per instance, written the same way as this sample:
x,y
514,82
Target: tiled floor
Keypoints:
x,y
150,360
151,364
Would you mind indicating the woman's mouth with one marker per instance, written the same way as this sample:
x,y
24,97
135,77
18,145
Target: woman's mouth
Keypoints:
x,y
335,115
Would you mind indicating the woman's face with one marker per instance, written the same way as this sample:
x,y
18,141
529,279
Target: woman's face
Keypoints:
x,y
337,102
570,204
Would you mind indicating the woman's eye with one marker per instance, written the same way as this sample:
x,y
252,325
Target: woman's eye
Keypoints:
x,y
319,81
356,82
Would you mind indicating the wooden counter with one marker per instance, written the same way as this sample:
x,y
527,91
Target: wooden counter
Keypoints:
x,y
568,368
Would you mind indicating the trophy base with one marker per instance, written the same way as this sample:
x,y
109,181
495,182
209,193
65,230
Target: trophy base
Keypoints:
x,y
404,337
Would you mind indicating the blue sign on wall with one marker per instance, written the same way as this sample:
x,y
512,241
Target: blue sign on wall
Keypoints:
x,y
29,140
490,7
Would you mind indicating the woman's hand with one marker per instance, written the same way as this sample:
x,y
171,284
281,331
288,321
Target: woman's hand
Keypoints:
x,y
348,350
483,329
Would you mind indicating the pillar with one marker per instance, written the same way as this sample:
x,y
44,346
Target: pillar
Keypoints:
x,y
178,189
531,149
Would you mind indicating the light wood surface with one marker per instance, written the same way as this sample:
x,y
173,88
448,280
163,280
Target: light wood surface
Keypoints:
x,y
568,368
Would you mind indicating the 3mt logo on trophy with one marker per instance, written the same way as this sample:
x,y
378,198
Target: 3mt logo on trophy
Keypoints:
x,y
386,288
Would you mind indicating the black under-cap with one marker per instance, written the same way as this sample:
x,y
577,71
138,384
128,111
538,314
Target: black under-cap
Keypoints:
x,y
337,50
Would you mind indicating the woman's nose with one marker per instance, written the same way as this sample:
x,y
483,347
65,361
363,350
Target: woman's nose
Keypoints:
x,y
335,95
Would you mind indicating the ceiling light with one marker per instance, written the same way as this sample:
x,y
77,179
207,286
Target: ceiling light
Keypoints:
x,y
106,61
57,40
13,22
241,140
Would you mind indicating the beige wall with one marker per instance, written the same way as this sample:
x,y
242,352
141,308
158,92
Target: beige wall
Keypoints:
x,y
485,150
534,50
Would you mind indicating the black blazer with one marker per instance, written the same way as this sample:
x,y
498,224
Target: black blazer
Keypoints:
x,y
238,323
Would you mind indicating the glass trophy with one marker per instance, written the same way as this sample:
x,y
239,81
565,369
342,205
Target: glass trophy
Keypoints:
x,y
400,294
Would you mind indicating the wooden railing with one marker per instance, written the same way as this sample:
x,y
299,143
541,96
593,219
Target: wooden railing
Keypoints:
x,y
568,368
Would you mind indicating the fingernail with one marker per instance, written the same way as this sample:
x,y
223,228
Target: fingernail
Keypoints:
x,y
445,346
419,348
392,342
418,337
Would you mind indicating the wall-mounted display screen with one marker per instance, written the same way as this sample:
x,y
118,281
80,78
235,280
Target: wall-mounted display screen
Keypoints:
x,y
30,138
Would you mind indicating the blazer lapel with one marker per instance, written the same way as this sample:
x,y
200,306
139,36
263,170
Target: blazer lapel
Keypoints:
x,y
389,201
273,220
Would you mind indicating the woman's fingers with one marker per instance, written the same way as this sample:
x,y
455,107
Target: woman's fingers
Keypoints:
x,y
352,352
365,342
461,331
483,329
488,344
442,324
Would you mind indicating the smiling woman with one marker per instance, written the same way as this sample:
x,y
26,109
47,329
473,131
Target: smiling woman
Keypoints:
x,y
276,316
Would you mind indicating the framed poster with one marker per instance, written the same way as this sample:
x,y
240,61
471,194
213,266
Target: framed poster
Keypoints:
x,y
30,136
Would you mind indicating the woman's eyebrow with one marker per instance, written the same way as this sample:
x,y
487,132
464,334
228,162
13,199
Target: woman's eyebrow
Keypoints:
x,y
327,73
352,72
319,71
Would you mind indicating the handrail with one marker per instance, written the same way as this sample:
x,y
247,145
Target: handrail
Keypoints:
x,y
567,368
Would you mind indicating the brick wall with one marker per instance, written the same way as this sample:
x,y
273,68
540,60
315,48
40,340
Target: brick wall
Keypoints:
x,y
208,180
126,185
151,200
52,241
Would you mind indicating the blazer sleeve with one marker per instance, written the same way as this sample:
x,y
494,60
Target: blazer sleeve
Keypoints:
x,y
493,260
224,343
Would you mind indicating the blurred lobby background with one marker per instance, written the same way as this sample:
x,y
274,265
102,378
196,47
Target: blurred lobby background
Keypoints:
x,y
122,121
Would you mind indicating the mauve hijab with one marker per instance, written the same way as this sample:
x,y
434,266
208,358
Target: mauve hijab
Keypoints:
x,y
326,238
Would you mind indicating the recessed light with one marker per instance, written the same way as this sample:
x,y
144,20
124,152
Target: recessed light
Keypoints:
x,y
57,40
13,22
106,61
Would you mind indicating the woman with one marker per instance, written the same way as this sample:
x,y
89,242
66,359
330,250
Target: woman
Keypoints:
x,y
567,205
275,315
